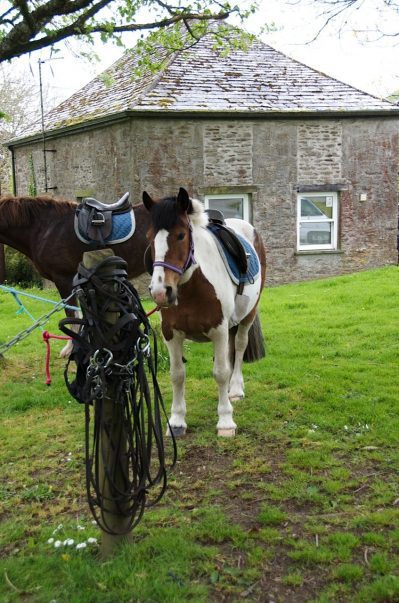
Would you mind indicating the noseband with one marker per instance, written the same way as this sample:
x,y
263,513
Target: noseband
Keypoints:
x,y
190,261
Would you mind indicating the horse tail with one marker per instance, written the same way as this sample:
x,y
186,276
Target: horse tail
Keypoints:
x,y
256,348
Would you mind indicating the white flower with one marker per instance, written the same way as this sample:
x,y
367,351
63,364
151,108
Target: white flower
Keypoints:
x,y
346,427
69,542
58,528
81,545
50,541
78,527
57,544
92,540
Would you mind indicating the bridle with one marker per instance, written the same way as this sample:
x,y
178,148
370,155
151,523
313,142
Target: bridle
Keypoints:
x,y
190,261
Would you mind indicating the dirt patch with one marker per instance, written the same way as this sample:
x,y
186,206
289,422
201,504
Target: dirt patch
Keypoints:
x,y
211,475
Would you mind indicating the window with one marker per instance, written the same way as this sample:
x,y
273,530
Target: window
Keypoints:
x,y
317,221
232,206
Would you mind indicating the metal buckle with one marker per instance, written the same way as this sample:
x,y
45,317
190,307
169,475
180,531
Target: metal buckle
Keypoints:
x,y
98,219
143,345
104,361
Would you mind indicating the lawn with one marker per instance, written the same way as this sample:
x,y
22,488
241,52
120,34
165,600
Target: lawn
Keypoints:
x,y
302,505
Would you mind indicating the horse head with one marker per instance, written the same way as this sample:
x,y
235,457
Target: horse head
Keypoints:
x,y
171,244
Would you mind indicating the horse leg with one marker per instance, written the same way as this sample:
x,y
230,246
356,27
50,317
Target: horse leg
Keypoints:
x,y
177,422
64,287
236,387
67,349
221,372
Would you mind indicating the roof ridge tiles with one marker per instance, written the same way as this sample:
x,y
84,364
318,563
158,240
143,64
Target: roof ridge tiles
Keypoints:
x,y
158,76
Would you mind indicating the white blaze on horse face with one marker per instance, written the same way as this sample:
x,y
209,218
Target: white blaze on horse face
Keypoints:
x,y
161,245
157,286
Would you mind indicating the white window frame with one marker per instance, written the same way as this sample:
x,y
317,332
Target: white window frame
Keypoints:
x,y
333,221
245,204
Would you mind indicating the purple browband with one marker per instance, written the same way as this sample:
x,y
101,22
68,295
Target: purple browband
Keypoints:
x,y
170,266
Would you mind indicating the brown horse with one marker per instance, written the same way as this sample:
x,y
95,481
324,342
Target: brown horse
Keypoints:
x,y
42,228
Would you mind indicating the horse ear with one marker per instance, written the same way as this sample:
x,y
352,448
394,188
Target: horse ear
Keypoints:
x,y
183,201
148,202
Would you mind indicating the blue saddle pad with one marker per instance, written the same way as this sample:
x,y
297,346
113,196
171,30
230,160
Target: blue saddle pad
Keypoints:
x,y
253,270
123,227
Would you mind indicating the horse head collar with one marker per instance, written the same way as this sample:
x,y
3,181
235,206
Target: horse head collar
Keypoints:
x,y
183,204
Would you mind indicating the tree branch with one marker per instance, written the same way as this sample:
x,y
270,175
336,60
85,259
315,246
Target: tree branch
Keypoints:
x,y
24,36
343,5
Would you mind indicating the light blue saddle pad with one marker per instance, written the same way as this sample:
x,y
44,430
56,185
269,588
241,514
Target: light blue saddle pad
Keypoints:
x,y
253,269
123,227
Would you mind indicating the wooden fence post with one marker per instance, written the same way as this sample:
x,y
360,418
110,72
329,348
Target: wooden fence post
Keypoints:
x,y
113,418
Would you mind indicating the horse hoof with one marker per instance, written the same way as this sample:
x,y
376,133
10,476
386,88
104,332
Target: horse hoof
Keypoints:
x,y
227,433
177,432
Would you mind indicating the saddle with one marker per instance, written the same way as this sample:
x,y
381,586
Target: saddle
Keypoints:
x,y
232,248
100,224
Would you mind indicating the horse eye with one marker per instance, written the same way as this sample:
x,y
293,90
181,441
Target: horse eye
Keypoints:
x,y
180,236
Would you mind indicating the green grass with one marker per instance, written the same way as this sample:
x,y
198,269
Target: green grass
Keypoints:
x,y
303,504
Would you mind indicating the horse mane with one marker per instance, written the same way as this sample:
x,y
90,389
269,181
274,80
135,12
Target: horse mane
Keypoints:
x,y
165,214
198,216
22,210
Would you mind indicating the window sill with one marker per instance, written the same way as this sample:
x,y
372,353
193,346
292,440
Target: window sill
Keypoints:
x,y
227,190
314,188
319,252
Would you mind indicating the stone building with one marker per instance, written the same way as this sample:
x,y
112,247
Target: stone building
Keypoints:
x,y
311,161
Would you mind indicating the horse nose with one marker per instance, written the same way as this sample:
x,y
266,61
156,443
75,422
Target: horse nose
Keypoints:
x,y
163,296
159,297
170,295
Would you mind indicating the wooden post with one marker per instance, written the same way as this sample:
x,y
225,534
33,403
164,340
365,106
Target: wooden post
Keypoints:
x,y
112,416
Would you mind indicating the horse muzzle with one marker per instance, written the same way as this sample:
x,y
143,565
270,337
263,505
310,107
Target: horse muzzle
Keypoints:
x,y
163,295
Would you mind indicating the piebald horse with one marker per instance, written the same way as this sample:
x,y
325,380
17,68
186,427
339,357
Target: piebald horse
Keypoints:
x,y
42,228
199,301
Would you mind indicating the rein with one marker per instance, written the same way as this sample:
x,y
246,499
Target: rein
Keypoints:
x,y
151,312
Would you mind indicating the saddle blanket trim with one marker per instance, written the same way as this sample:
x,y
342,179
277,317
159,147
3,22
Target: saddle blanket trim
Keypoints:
x,y
253,271
123,227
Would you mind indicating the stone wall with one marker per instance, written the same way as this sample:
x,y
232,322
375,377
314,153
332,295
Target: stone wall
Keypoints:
x,y
319,152
269,159
228,153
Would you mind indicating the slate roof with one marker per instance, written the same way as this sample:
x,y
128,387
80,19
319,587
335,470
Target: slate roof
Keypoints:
x,y
259,81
